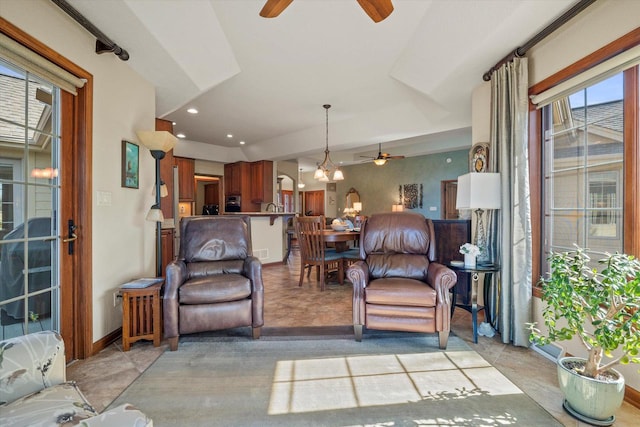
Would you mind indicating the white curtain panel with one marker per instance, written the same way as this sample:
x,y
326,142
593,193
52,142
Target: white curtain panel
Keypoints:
x,y
510,227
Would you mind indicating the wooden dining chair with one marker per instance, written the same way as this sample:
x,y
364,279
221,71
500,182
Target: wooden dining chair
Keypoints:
x,y
313,253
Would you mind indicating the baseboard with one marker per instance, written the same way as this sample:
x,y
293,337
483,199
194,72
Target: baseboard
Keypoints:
x,y
106,341
632,396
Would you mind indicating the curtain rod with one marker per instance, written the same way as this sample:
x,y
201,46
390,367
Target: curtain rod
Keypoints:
x,y
103,43
522,50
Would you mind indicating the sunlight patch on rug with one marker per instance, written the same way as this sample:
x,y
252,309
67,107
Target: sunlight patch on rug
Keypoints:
x,y
332,383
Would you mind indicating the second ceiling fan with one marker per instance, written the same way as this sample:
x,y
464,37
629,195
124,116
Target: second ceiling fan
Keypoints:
x,y
377,10
382,158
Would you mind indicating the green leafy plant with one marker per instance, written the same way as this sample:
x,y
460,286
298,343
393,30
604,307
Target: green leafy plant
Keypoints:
x,y
601,307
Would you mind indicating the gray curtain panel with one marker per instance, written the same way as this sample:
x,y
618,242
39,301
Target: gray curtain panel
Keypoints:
x,y
510,227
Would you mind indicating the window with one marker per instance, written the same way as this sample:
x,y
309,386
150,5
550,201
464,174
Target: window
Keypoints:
x,y
583,166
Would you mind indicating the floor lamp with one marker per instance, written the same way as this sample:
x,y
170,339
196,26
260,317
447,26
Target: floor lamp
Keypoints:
x,y
479,192
159,143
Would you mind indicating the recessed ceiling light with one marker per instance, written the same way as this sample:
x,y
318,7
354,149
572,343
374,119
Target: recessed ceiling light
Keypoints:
x,y
181,135
192,111
242,143
229,135
174,123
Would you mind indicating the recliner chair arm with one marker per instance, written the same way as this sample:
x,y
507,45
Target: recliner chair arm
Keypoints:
x,y
358,273
441,278
252,269
176,274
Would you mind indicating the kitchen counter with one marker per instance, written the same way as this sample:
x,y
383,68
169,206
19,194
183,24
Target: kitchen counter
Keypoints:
x,y
268,234
271,215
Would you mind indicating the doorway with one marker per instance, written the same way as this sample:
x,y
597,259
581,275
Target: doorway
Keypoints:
x,y
54,151
448,194
208,195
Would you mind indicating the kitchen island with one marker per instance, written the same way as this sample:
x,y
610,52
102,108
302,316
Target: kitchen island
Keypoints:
x,y
268,234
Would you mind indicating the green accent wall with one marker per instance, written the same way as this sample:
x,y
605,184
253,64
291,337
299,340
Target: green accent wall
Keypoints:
x,y
378,185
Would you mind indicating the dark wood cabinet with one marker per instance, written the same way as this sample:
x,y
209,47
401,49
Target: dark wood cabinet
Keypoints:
x,y
167,238
166,172
262,182
186,183
450,235
236,177
314,202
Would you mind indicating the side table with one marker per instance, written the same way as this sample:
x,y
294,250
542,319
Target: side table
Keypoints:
x,y
488,271
141,315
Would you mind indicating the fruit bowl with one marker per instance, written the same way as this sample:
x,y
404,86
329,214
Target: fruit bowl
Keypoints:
x,y
339,227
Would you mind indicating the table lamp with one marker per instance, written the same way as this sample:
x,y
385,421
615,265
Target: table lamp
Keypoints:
x,y
479,192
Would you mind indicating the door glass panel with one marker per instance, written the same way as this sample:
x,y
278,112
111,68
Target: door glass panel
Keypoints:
x,y
29,195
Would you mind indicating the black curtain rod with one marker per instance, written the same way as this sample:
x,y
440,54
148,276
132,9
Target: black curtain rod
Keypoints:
x,y
522,50
103,43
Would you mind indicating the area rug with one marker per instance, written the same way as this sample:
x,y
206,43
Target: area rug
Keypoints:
x,y
385,380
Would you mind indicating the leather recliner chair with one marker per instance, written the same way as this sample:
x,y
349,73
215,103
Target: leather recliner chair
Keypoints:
x,y
397,285
216,282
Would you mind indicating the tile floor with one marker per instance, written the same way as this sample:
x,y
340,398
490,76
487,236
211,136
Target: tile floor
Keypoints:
x,y
290,309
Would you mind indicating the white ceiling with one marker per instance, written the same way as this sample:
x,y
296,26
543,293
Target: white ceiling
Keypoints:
x,y
405,82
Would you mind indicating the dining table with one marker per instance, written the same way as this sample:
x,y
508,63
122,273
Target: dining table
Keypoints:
x,y
341,239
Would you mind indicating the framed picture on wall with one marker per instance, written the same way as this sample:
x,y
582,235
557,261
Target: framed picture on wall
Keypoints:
x,y
479,157
130,164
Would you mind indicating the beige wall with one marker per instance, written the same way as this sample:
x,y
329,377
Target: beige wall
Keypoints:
x,y
123,242
600,24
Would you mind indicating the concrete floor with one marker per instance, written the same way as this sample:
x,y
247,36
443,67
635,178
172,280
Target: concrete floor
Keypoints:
x,y
289,309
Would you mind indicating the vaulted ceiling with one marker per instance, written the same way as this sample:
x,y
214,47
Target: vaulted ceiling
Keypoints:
x,y
405,82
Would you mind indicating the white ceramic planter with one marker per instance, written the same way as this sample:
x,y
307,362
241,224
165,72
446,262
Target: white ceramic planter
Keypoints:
x,y
469,261
590,397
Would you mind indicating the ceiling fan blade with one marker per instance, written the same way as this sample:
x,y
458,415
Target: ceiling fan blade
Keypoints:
x,y
273,8
377,10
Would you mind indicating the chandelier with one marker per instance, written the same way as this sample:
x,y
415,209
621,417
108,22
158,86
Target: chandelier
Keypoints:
x,y
327,167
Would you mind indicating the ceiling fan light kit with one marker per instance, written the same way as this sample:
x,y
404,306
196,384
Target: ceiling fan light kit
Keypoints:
x,y
377,10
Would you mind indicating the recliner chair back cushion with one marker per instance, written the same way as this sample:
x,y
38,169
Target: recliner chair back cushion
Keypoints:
x,y
224,238
397,245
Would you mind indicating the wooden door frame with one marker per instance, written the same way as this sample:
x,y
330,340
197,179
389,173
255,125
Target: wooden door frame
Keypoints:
x,y
80,128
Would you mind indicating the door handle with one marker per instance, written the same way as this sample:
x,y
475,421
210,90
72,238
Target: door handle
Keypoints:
x,y
71,229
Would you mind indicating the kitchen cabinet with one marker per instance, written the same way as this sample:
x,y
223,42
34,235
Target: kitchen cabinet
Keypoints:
x,y
166,172
186,184
167,238
262,182
236,178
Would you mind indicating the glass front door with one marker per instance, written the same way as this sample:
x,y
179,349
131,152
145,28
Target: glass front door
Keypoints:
x,y
29,197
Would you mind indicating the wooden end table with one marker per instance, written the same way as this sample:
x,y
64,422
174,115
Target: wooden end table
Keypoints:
x,y
141,315
488,270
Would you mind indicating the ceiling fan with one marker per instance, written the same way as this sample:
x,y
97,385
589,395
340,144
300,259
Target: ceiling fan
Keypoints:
x,y
377,10
382,158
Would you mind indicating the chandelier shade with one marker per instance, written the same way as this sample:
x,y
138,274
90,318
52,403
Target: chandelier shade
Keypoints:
x,y
327,170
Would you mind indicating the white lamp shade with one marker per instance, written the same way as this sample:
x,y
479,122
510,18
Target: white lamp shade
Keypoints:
x,y
397,208
157,140
357,206
337,175
478,191
155,214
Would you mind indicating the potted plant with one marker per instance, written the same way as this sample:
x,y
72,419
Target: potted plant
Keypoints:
x,y
601,309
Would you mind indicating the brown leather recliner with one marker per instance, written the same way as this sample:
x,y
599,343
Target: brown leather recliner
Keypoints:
x,y
215,283
397,285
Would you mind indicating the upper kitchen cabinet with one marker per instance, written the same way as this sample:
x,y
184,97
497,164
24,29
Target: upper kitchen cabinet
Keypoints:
x,y
186,183
166,172
236,178
262,182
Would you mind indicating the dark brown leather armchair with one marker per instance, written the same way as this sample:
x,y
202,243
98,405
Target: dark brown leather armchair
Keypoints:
x,y
397,285
215,283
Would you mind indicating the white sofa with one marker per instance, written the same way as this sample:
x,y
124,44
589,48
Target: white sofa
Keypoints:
x,y
34,390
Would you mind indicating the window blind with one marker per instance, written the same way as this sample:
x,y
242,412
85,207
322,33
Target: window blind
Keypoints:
x,y
593,75
32,62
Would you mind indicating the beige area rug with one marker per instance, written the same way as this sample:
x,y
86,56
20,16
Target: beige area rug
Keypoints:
x,y
385,380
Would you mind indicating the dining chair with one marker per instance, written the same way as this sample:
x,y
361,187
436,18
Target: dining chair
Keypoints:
x,y
309,232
